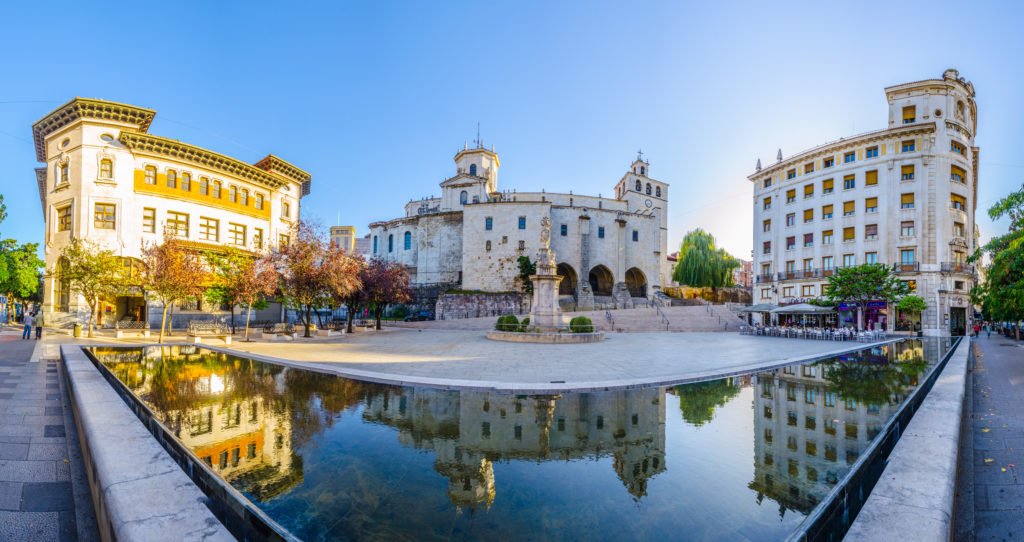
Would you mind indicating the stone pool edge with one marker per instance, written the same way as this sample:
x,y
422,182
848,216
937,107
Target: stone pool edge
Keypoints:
x,y
915,495
138,491
542,387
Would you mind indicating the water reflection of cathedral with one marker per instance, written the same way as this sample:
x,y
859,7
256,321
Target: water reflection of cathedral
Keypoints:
x,y
244,437
468,431
808,430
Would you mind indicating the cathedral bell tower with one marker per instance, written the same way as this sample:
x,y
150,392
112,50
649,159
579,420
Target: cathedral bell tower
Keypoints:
x,y
646,196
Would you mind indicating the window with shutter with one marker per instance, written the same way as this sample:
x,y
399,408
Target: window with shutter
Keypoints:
x,y
871,205
907,172
808,190
909,114
871,231
808,215
826,212
849,208
849,234
826,186
871,177
906,201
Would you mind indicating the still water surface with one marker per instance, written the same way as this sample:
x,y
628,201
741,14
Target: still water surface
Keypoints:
x,y
329,458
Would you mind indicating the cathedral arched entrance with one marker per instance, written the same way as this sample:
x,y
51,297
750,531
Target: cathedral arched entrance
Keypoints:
x,y
569,279
636,282
601,281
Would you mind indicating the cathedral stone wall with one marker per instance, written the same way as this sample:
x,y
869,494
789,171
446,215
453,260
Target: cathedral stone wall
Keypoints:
x,y
455,306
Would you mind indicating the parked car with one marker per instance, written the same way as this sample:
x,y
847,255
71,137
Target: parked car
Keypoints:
x,y
420,316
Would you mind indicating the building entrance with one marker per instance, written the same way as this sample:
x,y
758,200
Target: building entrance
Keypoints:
x,y
957,321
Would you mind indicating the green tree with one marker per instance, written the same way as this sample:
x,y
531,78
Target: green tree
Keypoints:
x,y
526,270
863,283
701,265
912,304
19,266
1001,295
240,279
93,272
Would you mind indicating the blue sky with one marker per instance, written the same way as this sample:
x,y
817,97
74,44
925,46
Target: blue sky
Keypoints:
x,y
374,98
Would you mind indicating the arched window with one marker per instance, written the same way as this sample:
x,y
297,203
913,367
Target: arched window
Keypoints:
x,y
204,186
106,169
639,187
65,173
643,171
657,191
216,189
391,243
244,199
648,189
259,201
374,244
186,182
464,197
150,175
408,240
233,193
472,169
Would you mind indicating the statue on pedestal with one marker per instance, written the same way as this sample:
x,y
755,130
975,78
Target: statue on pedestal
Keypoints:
x,y
545,313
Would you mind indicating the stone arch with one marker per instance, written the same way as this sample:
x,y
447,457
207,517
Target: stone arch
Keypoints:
x,y
601,280
648,189
569,279
464,197
636,282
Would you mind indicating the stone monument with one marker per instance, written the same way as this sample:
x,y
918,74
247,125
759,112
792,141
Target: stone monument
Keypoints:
x,y
545,314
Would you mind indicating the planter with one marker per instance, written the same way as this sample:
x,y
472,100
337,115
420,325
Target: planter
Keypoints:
x,y
546,337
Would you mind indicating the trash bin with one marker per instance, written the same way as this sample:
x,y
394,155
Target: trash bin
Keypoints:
x,y
78,331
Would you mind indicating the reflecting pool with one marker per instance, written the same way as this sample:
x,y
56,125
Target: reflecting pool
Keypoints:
x,y
741,458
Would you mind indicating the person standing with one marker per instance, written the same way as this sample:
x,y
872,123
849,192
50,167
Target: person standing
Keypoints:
x,y
977,328
27,321
39,326
988,331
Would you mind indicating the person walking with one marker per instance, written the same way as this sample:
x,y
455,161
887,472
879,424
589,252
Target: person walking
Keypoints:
x,y
27,321
977,328
39,326
988,331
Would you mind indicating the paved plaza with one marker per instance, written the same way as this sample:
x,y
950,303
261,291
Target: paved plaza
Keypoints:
x,y
44,494
990,492
622,359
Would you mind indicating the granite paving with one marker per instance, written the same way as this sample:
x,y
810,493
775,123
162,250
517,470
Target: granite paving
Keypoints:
x,y
40,459
990,492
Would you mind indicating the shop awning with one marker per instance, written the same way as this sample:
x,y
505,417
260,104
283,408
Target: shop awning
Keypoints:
x,y
803,308
765,307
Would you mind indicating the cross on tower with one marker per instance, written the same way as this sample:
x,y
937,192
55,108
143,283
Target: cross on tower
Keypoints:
x,y
640,155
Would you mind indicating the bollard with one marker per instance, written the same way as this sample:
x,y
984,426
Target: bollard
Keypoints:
x,y
77,332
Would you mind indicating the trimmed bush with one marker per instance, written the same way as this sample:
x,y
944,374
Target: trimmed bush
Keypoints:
x,y
524,324
581,324
509,322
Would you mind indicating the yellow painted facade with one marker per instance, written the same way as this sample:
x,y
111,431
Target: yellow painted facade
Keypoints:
x,y
193,195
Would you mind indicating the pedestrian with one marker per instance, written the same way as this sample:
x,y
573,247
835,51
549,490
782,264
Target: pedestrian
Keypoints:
x,y
26,321
988,331
39,326
977,328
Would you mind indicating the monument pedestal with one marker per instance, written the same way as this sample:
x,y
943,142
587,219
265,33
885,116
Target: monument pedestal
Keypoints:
x,y
545,314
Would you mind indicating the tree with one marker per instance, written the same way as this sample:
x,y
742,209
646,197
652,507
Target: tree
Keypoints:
x,y
912,304
384,282
172,272
1001,295
312,272
93,272
701,265
526,270
352,299
19,266
241,279
699,400
863,283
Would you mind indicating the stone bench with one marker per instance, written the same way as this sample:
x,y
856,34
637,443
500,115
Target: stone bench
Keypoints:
x,y
198,330
135,329
280,331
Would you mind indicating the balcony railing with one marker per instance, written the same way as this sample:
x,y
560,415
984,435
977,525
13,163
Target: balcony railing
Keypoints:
x,y
800,274
908,267
761,279
954,267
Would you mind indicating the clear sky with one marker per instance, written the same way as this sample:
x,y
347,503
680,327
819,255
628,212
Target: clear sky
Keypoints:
x,y
374,98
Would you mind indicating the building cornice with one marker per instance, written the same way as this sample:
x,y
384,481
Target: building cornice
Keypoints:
x,y
162,146
273,163
41,183
87,108
834,146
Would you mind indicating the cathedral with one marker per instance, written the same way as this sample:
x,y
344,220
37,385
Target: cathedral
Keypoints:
x,y
609,250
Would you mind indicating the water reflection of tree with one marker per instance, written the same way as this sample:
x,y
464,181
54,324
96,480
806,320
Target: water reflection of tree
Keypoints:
x,y
699,400
883,383
316,399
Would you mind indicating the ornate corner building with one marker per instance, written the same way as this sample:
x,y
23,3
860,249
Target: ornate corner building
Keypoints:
x,y
108,180
608,250
904,195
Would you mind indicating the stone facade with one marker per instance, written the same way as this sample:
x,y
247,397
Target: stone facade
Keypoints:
x,y
904,195
107,180
455,306
474,234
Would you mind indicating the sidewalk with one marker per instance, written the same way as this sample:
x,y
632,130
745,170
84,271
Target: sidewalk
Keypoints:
x,y
992,448
44,493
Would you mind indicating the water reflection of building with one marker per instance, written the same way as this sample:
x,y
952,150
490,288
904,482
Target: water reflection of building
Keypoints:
x,y
468,431
808,431
245,437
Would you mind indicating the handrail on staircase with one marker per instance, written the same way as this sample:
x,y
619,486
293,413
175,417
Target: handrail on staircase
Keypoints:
x,y
664,318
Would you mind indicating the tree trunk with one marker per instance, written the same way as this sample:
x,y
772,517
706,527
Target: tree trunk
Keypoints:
x,y
351,316
231,307
92,315
378,313
248,314
307,321
163,324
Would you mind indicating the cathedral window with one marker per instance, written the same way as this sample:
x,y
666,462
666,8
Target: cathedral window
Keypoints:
x,y
472,169
463,197
639,187
488,223
600,232
636,235
391,243
522,245
564,230
488,246
643,171
648,189
657,191
522,222
408,240
374,244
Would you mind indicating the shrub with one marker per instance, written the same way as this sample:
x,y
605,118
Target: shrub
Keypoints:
x,y
400,312
509,322
581,324
524,324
